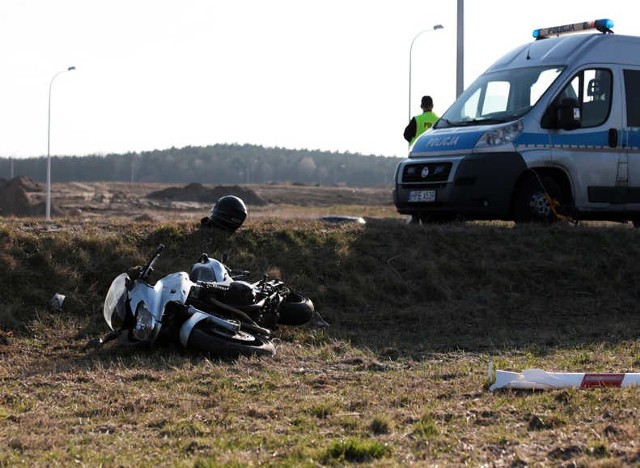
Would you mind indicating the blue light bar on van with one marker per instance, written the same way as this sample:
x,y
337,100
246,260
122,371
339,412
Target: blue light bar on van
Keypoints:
x,y
602,25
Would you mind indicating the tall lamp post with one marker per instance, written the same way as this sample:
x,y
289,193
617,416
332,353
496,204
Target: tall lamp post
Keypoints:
x,y
48,214
434,28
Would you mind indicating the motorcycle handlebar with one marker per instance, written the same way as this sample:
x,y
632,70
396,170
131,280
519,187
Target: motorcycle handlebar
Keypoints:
x,y
148,268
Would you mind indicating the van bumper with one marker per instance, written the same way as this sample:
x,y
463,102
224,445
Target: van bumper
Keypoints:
x,y
478,186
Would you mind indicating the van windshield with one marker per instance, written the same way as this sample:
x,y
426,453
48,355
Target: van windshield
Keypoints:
x,y
499,97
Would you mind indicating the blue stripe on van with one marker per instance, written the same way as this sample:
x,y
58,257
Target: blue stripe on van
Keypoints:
x,y
532,139
581,140
446,141
455,141
597,139
633,138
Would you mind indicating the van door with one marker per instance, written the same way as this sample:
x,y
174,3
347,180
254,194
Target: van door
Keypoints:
x,y
631,135
590,154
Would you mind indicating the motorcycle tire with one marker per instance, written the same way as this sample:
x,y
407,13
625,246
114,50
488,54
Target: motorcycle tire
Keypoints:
x,y
295,310
221,342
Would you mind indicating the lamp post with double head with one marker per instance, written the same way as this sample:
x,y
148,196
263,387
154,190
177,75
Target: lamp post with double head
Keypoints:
x,y
434,28
48,209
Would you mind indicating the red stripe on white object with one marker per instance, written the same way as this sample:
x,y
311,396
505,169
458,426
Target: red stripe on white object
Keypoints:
x,y
601,380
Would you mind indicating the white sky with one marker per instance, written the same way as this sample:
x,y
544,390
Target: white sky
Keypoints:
x,y
330,75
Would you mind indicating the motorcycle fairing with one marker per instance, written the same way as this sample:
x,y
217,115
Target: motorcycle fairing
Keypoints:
x,y
197,317
188,326
173,287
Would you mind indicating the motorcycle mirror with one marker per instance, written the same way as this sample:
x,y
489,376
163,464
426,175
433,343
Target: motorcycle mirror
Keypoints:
x,y
225,257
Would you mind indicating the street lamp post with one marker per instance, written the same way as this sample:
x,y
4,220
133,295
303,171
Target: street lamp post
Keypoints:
x,y
434,28
48,214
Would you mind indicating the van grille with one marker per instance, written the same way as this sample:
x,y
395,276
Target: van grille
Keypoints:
x,y
426,172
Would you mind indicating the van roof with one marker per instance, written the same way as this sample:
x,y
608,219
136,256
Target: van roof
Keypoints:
x,y
574,49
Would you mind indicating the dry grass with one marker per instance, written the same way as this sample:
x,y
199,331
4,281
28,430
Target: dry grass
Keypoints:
x,y
399,378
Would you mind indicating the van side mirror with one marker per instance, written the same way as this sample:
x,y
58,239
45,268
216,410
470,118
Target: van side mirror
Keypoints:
x,y
569,114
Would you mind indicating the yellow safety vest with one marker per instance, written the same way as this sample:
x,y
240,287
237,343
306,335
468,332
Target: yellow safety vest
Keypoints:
x,y
424,122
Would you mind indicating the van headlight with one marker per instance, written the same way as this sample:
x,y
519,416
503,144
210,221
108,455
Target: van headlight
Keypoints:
x,y
145,323
504,135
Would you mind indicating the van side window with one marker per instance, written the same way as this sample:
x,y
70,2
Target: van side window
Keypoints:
x,y
596,99
632,91
592,89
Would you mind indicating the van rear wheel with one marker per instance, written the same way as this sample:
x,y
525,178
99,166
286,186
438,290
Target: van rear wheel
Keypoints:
x,y
531,204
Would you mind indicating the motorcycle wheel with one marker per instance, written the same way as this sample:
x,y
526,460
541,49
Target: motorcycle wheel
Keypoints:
x,y
225,343
295,310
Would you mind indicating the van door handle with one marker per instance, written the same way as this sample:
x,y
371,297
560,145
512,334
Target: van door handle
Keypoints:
x,y
613,138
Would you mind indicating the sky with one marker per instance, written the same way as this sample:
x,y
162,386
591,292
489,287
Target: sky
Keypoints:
x,y
330,75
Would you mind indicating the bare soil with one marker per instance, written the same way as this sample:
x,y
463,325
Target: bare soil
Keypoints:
x,y
21,197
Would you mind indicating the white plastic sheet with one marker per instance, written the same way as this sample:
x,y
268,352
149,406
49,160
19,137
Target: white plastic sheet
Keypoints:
x,y
538,379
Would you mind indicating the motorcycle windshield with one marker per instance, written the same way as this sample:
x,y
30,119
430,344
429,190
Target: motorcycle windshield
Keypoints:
x,y
115,301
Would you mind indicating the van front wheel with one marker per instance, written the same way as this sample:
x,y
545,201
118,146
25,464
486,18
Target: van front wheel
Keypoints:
x,y
531,204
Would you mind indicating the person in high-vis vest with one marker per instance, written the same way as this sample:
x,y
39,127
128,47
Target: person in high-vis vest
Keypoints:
x,y
422,122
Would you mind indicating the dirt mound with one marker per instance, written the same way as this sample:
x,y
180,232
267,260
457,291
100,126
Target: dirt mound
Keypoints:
x,y
24,183
19,197
196,192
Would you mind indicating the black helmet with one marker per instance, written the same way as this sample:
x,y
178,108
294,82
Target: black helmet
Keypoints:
x,y
228,213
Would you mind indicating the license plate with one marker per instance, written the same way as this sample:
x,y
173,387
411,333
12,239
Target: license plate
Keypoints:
x,y
422,196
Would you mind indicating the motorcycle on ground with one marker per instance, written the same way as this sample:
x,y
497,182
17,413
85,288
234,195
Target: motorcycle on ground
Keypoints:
x,y
211,309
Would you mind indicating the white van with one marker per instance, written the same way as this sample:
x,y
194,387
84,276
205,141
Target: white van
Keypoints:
x,y
551,130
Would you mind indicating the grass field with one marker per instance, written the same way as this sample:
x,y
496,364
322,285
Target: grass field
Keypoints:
x,y
399,377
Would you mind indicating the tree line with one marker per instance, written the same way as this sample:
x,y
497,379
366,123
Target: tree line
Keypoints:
x,y
216,164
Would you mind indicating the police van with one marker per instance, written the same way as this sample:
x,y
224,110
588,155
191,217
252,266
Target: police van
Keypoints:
x,y
550,131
